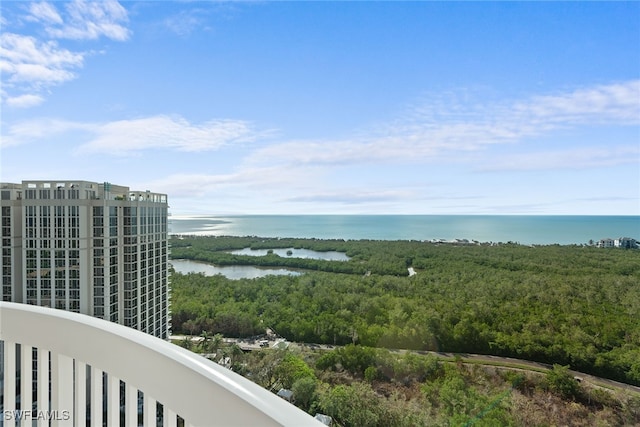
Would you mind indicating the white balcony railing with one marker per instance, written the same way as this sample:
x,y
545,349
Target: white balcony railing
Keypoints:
x,y
87,371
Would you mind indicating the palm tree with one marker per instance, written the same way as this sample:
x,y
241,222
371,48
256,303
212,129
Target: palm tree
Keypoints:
x,y
233,352
216,342
204,343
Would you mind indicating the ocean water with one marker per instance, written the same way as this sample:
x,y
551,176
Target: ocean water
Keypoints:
x,y
524,229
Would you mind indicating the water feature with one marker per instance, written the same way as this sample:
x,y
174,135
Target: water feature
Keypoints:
x,y
295,253
233,272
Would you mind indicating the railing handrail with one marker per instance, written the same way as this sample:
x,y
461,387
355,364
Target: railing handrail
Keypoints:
x,y
199,390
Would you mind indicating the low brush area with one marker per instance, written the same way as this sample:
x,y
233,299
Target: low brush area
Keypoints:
x,y
362,386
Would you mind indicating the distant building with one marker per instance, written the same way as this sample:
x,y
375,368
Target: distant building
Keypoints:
x,y
626,243
87,247
606,243
621,242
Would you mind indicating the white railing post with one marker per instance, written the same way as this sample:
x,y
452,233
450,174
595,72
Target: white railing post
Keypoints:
x,y
62,390
149,411
131,406
80,414
9,381
113,400
26,378
169,418
43,384
96,397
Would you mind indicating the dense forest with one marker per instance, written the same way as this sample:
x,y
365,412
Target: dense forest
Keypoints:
x,y
568,305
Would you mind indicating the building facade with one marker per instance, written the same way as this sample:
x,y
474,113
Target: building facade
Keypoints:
x,y
621,242
626,243
87,247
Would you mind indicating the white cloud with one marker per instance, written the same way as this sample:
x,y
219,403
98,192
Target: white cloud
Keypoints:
x,y
186,185
24,59
580,158
24,101
33,130
30,65
90,20
194,18
185,22
353,196
441,131
256,180
44,12
615,103
128,136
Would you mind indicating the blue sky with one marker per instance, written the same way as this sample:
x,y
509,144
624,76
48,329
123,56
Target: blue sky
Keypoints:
x,y
329,107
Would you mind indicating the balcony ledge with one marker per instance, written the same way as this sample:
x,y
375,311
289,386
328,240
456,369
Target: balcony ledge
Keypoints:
x,y
198,390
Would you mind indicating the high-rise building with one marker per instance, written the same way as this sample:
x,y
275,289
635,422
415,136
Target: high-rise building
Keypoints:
x,y
93,248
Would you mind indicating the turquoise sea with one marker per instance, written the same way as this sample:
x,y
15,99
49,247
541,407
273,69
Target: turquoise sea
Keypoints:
x,y
523,229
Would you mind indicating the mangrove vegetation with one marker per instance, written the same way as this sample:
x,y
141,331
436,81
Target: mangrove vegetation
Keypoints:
x,y
574,306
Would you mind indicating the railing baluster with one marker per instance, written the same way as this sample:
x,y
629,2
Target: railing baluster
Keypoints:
x,y
26,380
9,381
81,393
131,406
43,384
150,410
113,400
170,418
62,389
96,397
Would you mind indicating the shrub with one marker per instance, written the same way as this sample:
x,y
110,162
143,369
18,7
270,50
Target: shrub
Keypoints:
x,y
561,381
